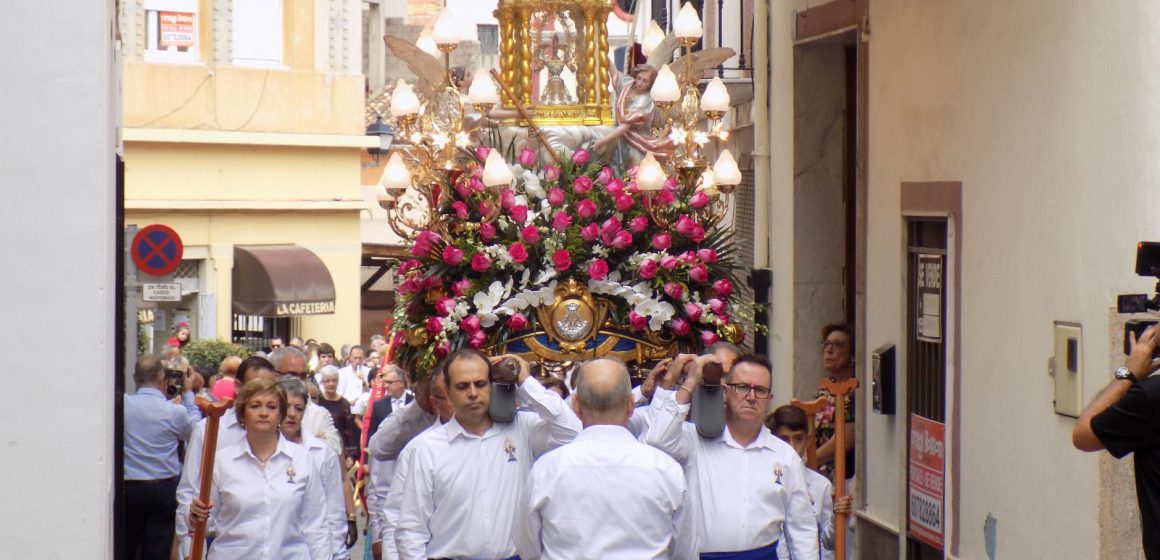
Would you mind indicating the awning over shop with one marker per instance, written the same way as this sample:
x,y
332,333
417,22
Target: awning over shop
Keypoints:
x,y
280,281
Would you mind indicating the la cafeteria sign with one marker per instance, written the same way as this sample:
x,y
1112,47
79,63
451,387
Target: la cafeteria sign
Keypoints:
x,y
304,308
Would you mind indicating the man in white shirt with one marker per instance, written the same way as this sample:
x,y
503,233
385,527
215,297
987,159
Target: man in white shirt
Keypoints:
x,y
750,485
606,495
353,377
465,477
791,424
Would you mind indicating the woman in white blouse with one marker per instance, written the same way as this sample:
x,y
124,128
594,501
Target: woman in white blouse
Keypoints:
x,y
267,498
341,526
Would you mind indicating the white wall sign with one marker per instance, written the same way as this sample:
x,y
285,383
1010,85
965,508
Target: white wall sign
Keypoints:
x,y
930,294
161,292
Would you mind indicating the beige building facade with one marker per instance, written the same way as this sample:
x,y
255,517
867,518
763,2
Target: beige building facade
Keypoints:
x,y
243,127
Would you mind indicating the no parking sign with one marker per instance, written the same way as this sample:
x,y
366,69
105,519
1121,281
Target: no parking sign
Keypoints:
x,y
156,249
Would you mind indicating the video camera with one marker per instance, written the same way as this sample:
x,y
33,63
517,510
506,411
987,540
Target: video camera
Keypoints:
x,y
1147,264
175,376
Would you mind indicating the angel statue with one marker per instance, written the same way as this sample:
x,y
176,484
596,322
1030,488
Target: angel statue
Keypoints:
x,y
637,119
555,60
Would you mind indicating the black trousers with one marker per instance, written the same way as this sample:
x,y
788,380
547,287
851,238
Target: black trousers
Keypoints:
x,y
150,507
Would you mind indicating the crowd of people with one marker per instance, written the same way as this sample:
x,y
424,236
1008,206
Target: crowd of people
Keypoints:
x,y
584,466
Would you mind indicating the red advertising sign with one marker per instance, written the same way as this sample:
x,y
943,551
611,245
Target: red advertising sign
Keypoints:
x,y
926,479
176,31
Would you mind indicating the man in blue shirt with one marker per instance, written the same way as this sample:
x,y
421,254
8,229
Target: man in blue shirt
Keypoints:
x,y
153,427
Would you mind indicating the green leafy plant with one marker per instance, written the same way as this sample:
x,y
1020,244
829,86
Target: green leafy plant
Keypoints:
x,y
210,353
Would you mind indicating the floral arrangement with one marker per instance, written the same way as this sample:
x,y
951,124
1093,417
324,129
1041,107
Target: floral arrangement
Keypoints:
x,y
476,276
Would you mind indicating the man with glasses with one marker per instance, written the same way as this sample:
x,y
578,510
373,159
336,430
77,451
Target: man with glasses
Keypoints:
x,y
751,486
276,343
316,420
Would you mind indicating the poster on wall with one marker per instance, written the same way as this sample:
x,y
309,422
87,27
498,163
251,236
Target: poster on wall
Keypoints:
x,y
929,298
925,480
176,31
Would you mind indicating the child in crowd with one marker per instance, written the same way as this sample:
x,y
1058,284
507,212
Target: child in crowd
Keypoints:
x,y
790,423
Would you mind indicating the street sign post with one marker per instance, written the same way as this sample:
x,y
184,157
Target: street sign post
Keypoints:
x,y
156,250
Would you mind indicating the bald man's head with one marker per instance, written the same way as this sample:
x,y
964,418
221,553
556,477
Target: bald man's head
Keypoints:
x,y
604,393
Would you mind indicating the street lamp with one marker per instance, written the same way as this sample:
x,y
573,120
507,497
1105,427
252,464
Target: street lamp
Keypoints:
x,y
385,134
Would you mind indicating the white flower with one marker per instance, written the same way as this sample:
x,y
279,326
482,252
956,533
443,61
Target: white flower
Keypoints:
x,y
532,185
462,140
701,138
547,274
485,303
440,140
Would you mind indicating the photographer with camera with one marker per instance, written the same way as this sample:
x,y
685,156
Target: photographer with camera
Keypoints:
x,y
153,426
1125,418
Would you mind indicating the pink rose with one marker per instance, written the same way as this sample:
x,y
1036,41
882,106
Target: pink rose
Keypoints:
x,y
586,209
685,225
562,259
462,190
638,224
555,196
432,281
615,188
707,255
476,185
647,269
551,173
680,327
610,226
580,156
480,262
519,213
460,209
598,269
424,243
669,262
671,182
723,287
461,286
517,252
605,175
699,200
409,286
477,340
445,306
716,306
517,322
698,233
709,337
590,232
408,266
531,234
561,220
624,203
623,240
443,349
581,185
434,325
693,311
636,322
487,231
674,290
526,157
688,257
699,274
452,255
507,199
662,241
632,188
664,197
470,324
481,152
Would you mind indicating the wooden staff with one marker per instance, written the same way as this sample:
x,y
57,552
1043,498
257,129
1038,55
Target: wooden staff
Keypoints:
x,y
839,389
213,412
811,408
527,118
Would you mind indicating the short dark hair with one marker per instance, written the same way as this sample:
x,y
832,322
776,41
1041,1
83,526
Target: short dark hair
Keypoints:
x,y
461,355
325,348
357,347
755,359
253,362
149,369
790,417
839,327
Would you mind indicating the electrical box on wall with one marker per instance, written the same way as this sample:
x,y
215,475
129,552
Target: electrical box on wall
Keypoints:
x,y
882,379
1068,369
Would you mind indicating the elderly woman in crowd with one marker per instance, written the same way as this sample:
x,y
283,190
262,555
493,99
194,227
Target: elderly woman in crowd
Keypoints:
x,y
339,409
267,498
340,518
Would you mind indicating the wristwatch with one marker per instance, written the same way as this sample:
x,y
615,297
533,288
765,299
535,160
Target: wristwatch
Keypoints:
x,y
1126,374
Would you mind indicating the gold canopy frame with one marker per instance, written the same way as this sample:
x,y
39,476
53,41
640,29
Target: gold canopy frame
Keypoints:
x,y
520,49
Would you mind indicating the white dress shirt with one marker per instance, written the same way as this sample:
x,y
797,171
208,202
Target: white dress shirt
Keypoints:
x,y
230,432
746,494
350,382
821,496
326,462
274,511
462,490
318,422
394,500
607,496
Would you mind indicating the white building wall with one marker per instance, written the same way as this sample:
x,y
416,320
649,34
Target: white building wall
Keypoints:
x,y
57,228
